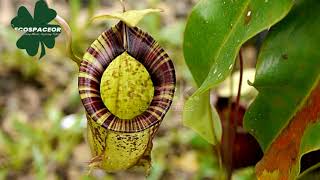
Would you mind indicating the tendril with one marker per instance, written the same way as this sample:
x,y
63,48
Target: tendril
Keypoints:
x,y
67,30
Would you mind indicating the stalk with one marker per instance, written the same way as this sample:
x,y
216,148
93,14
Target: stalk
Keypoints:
x,y
67,30
232,123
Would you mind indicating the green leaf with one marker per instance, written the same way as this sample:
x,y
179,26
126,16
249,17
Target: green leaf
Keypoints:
x,y
39,163
311,139
204,126
131,18
215,31
310,142
74,8
287,70
244,174
296,139
285,114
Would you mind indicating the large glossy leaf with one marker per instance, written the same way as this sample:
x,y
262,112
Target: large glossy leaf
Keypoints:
x,y
298,138
215,31
288,70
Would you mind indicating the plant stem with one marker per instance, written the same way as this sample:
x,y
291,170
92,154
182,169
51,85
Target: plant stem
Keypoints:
x,y
125,44
217,152
230,136
240,80
66,28
232,123
125,39
123,5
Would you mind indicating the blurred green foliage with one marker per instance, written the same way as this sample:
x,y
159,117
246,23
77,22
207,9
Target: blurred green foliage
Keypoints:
x,y
42,123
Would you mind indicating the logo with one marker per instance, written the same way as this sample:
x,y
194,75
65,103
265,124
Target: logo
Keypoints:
x,y
36,30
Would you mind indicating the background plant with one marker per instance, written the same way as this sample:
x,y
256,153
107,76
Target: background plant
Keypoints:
x,y
285,113
41,123
42,98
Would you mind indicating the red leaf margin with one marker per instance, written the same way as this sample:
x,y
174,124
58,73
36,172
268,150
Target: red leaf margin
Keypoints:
x,y
283,154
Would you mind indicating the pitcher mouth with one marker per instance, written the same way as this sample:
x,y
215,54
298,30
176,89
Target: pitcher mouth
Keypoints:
x,y
141,46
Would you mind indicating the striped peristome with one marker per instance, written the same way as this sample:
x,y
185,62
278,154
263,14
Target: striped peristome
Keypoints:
x,y
146,50
102,124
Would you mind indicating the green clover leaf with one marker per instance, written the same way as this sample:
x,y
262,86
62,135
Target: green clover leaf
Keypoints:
x,y
36,36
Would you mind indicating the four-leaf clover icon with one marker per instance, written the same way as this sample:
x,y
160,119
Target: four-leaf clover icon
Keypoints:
x,y
37,30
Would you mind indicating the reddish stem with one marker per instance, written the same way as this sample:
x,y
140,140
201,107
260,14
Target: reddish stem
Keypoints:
x,y
240,80
232,124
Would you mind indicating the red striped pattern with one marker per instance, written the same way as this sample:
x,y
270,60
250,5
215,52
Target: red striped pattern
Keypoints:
x,y
147,51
